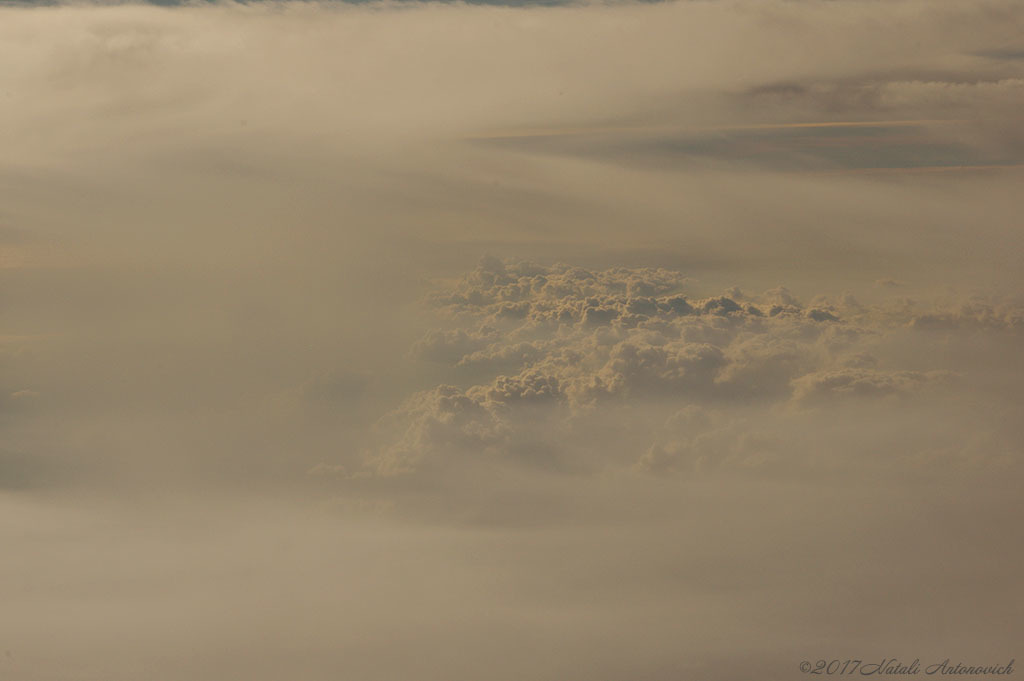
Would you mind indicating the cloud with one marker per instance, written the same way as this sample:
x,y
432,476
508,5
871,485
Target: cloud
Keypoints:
x,y
977,314
651,350
441,420
246,266
852,383
331,330
451,346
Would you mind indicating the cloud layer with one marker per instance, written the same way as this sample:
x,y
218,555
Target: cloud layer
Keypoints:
x,y
400,341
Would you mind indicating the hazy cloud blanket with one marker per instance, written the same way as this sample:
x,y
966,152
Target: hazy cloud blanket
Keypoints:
x,y
441,341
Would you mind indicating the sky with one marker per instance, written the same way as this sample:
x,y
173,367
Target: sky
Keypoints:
x,y
563,342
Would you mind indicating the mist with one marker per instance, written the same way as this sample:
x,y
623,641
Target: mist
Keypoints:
x,y
444,341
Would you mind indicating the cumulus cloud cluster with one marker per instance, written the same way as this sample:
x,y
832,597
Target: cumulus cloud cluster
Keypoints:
x,y
550,355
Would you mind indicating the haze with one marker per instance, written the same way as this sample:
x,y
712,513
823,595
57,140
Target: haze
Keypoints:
x,y
564,342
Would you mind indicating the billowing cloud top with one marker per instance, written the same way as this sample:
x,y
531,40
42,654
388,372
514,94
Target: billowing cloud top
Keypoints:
x,y
551,357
